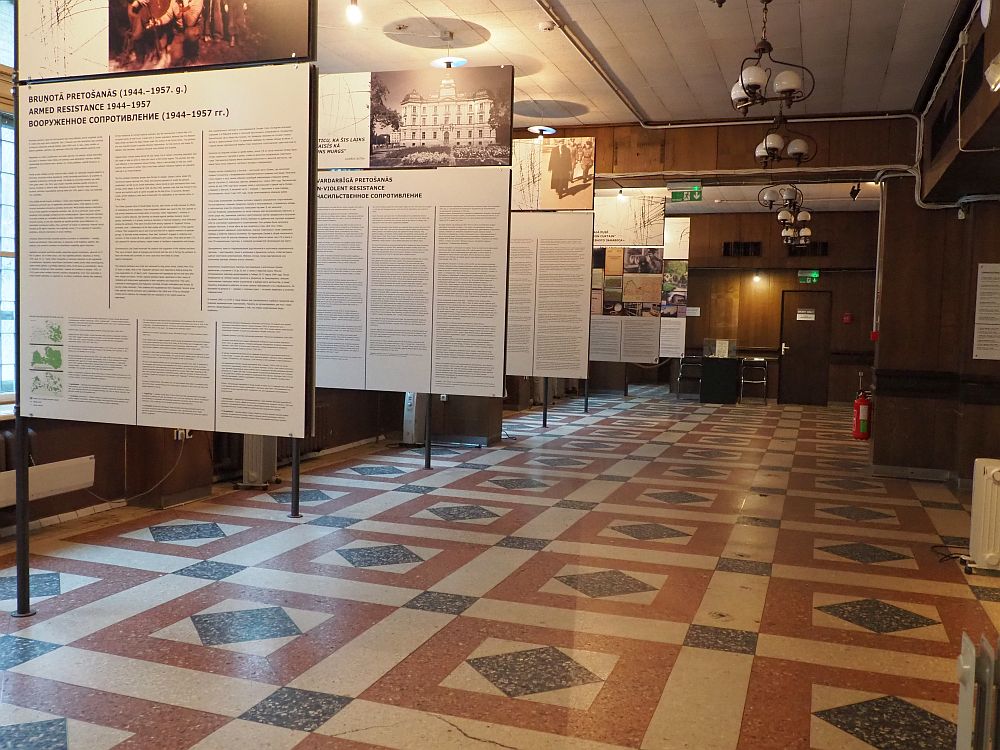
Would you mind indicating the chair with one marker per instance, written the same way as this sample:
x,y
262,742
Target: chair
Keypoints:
x,y
753,371
689,370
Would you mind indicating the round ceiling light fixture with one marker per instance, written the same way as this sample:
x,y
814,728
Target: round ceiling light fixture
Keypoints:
x,y
354,16
542,130
781,143
449,61
792,215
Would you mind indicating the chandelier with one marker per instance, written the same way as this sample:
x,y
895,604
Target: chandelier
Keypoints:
x,y
782,143
755,77
792,215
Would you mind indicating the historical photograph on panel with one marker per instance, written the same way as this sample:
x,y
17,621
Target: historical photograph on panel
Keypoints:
x,y
455,117
673,300
162,34
553,174
629,221
643,260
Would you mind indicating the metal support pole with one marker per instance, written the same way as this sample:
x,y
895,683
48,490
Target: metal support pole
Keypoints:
x,y
586,396
545,402
21,518
427,434
296,473
626,380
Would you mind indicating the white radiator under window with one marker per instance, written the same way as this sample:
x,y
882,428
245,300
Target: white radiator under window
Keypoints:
x,y
984,540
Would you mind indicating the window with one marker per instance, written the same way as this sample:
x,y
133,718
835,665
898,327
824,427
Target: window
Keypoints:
x,y
446,119
423,110
480,119
480,133
434,135
423,120
435,120
480,106
470,119
413,135
423,136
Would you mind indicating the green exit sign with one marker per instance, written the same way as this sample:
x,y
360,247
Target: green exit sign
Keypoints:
x,y
686,196
809,277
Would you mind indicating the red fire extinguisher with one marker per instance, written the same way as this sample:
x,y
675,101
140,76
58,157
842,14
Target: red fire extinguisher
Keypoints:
x,y
863,409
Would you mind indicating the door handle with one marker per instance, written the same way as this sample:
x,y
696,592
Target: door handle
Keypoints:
x,y
784,347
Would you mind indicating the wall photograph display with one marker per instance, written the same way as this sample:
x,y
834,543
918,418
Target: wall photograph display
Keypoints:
x,y
457,117
62,39
635,221
553,174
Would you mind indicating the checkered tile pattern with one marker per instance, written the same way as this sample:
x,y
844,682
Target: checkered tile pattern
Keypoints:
x,y
653,574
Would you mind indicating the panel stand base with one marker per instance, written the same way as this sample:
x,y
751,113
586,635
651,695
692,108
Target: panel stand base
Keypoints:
x,y
294,511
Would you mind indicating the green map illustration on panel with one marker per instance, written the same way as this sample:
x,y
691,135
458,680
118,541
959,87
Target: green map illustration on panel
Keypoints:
x,y
48,382
50,359
54,331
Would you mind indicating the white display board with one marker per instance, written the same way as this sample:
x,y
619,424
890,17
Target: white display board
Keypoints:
x,y
70,38
412,119
677,237
164,237
986,339
615,338
553,174
632,221
412,280
672,336
548,318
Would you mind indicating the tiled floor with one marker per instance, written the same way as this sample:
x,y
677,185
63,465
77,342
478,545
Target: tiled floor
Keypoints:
x,y
656,574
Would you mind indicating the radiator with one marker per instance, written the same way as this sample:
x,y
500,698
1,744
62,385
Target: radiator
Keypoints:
x,y
984,539
978,679
260,461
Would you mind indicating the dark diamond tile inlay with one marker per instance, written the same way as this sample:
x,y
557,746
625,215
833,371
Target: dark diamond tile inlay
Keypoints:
x,y
185,531
42,584
537,670
698,472
463,513
377,471
605,583
612,478
523,542
435,601
560,463
890,723
677,498
334,522
649,531
417,489
769,523
218,628
291,708
373,557
51,734
721,639
956,541
736,565
576,505
519,484
210,570
850,484
15,651
305,496
986,594
855,513
877,616
863,552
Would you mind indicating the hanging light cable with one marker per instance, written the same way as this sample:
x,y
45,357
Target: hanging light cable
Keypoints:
x,y
354,16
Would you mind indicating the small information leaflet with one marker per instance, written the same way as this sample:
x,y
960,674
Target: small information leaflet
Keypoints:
x,y
165,248
412,280
549,302
986,342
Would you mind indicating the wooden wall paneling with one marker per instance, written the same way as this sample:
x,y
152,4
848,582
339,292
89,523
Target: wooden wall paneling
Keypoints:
x,y
699,295
862,143
853,238
701,253
760,309
638,149
737,144
897,420
843,387
854,293
902,141
724,306
690,149
820,133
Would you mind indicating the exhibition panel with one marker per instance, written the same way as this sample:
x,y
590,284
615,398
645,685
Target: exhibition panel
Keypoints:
x,y
412,280
628,221
167,292
548,319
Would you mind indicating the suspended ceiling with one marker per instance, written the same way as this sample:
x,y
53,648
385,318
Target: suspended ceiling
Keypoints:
x,y
677,59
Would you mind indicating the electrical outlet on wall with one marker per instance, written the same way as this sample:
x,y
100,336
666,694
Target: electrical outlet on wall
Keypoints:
x,y
444,396
183,434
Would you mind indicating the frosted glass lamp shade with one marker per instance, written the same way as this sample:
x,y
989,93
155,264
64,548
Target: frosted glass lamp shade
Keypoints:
x,y
798,148
761,151
805,232
774,143
785,216
787,82
771,195
787,193
738,95
803,216
754,78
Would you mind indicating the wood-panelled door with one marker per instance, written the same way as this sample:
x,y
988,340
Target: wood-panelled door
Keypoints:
x,y
804,373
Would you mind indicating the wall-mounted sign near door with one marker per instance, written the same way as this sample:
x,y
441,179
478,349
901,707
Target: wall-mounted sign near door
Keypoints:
x,y
805,313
